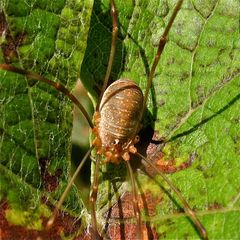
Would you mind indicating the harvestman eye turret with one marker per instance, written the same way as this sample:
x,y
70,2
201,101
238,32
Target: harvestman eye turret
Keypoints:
x,y
116,124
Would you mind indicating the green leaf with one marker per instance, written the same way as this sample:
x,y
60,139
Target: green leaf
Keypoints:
x,y
194,106
48,38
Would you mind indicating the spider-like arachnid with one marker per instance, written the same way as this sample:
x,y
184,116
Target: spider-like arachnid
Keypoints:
x,y
117,122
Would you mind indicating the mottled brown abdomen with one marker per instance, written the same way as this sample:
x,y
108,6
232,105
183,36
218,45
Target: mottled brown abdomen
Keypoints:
x,y
120,111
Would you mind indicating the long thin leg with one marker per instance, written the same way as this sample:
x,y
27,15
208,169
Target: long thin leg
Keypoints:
x,y
113,49
57,86
60,202
186,206
161,46
93,199
135,202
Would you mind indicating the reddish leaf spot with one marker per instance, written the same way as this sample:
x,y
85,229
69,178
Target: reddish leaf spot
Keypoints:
x,y
130,231
50,181
123,210
9,47
215,206
157,157
64,225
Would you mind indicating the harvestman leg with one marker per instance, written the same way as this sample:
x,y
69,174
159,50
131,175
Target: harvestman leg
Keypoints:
x,y
161,46
135,201
112,51
71,97
56,85
66,191
93,199
186,206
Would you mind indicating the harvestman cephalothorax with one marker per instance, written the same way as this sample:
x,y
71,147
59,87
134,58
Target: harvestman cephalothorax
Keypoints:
x,y
116,124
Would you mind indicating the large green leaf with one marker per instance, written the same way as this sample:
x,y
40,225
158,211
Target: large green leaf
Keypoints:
x,y
36,120
194,106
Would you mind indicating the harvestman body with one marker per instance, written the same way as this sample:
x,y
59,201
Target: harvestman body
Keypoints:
x,y
116,123
118,120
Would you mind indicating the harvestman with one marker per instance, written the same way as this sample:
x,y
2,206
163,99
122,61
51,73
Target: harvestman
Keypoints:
x,y
116,141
